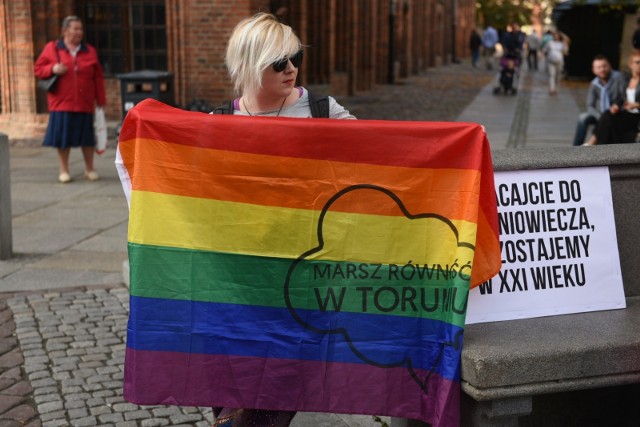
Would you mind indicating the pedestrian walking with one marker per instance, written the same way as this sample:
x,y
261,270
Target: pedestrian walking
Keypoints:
x,y
475,42
489,41
533,44
555,50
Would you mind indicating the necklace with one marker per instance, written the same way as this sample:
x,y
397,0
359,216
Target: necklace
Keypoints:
x,y
277,115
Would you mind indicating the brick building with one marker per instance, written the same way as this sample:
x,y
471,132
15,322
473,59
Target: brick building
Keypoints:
x,y
351,44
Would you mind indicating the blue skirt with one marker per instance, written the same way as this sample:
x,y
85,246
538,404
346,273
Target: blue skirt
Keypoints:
x,y
69,129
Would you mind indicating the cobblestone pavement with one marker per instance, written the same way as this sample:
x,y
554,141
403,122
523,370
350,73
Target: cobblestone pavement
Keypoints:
x,y
72,345
67,370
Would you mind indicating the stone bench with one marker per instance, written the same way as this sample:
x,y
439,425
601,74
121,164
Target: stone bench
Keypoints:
x,y
507,365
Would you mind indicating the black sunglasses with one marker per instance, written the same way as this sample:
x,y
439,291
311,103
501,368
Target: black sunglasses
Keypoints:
x,y
281,64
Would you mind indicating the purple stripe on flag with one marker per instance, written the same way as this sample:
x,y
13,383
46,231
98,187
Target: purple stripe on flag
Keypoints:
x,y
185,379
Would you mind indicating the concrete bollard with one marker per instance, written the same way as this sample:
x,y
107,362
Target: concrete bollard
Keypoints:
x,y
6,241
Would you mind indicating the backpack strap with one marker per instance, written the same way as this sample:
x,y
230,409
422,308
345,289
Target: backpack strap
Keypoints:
x,y
319,106
226,108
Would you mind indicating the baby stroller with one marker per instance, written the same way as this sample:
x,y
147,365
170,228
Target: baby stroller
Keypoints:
x,y
508,73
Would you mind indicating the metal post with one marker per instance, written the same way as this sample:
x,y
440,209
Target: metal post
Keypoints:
x,y
6,241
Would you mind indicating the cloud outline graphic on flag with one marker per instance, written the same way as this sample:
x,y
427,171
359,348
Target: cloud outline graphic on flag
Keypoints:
x,y
456,340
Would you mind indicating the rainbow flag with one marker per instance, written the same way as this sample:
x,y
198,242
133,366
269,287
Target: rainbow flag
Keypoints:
x,y
303,264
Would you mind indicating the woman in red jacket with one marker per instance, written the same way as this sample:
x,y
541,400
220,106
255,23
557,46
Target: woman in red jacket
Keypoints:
x,y
80,86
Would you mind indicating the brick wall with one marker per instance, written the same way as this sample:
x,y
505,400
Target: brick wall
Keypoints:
x,y
18,84
197,34
348,44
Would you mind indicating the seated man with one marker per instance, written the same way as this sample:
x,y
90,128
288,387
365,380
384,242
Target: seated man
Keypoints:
x,y
602,94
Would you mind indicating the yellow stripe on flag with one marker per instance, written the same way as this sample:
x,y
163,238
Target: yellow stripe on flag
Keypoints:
x,y
240,228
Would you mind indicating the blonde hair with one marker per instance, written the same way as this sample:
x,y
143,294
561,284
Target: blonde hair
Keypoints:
x,y
255,44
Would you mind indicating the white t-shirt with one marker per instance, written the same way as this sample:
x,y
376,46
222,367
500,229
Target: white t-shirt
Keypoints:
x,y
631,98
301,109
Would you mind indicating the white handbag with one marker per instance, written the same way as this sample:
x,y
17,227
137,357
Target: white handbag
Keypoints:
x,y
100,130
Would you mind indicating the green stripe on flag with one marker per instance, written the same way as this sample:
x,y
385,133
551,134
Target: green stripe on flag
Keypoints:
x,y
433,292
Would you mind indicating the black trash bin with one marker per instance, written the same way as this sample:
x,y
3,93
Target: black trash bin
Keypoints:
x,y
139,85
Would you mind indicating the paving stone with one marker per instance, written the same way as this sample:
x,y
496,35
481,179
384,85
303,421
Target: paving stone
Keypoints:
x,y
155,422
127,424
38,375
12,374
22,413
29,369
77,413
76,351
62,375
7,329
137,415
38,360
111,418
11,359
100,410
66,360
77,396
185,418
72,382
53,346
49,397
85,372
113,385
8,402
7,344
45,390
34,353
124,407
108,370
103,393
32,340
53,416
94,387
95,358
84,422
75,404
44,382
165,411
93,402
115,400
90,365
21,388
50,407
7,382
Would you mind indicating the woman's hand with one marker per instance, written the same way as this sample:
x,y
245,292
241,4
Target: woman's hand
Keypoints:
x,y
614,109
59,69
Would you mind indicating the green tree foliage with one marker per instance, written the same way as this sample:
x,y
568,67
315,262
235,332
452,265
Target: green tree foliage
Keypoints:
x,y
502,12
499,13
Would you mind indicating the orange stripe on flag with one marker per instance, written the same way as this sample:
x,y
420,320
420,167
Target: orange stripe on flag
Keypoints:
x,y
295,182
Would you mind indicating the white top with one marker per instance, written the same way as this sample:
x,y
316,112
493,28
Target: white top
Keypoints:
x,y
631,98
300,109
